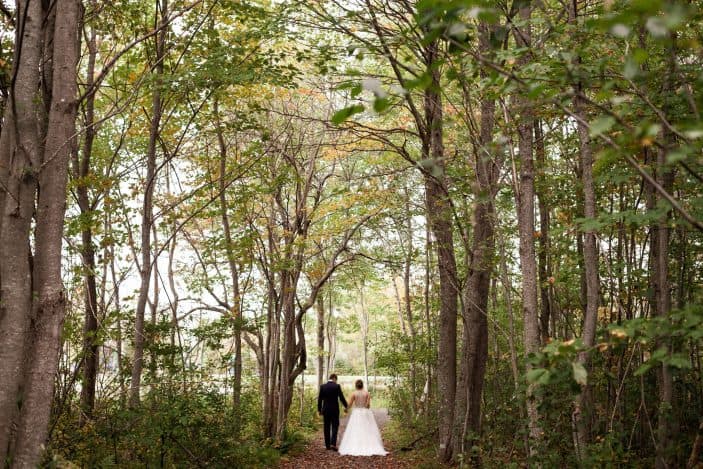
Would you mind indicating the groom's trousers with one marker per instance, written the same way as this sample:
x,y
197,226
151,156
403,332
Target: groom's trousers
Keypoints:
x,y
331,424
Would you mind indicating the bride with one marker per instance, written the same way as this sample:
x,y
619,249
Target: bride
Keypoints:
x,y
361,437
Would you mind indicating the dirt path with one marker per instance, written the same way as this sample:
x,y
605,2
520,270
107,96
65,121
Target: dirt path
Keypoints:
x,y
316,456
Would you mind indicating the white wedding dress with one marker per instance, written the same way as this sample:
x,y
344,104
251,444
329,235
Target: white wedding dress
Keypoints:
x,y
361,437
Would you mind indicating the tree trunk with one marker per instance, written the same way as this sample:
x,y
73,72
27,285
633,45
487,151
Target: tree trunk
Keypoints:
x,y
662,288
147,209
477,288
364,322
428,319
590,261
20,159
526,225
545,269
508,287
581,416
331,335
440,220
408,300
32,298
288,355
237,319
48,301
119,338
153,302
320,340
401,319
272,340
82,171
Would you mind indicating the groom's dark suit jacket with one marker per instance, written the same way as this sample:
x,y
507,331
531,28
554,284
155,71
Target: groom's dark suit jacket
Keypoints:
x,y
327,399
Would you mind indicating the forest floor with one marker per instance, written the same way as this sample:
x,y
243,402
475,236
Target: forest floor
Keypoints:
x,y
316,456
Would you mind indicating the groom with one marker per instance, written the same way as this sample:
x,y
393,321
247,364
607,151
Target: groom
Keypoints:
x,y
328,407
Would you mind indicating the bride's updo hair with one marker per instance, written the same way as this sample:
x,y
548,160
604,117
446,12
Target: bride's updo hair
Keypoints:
x,y
359,384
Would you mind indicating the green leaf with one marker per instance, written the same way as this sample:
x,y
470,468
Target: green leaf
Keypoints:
x,y
675,156
601,125
344,114
536,375
580,373
380,105
679,361
355,91
642,369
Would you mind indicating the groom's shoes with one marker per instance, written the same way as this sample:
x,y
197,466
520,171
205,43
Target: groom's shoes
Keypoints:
x,y
333,448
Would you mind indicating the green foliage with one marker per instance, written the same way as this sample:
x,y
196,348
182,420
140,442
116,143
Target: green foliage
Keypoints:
x,y
345,113
663,337
171,428
273,110
557,363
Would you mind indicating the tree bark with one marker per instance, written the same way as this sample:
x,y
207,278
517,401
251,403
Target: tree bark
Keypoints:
x,y
46,294
272,360
526,225
320,340
477,289
428,318
408,300
590,261
545,268
34,155
147,209
581,416
401,318
237,319
364,323
82,171
20,159
440,220
662,287
331,335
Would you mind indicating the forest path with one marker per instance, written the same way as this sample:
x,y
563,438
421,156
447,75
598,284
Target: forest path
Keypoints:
x,y
316,456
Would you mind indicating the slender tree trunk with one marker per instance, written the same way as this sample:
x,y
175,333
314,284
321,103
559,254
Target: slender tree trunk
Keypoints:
x,y
440,221
545,270
526,226
694,456
508,287
147,210
662,289
119,338
408,300
590,261
237,319
581,415
272,340
288,355
153,303
364,321
82,171
428,318
477,289
20,158
174,296
401,319
320,340
331,335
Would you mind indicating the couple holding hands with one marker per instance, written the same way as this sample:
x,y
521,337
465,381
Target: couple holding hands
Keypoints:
x,y
361,436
